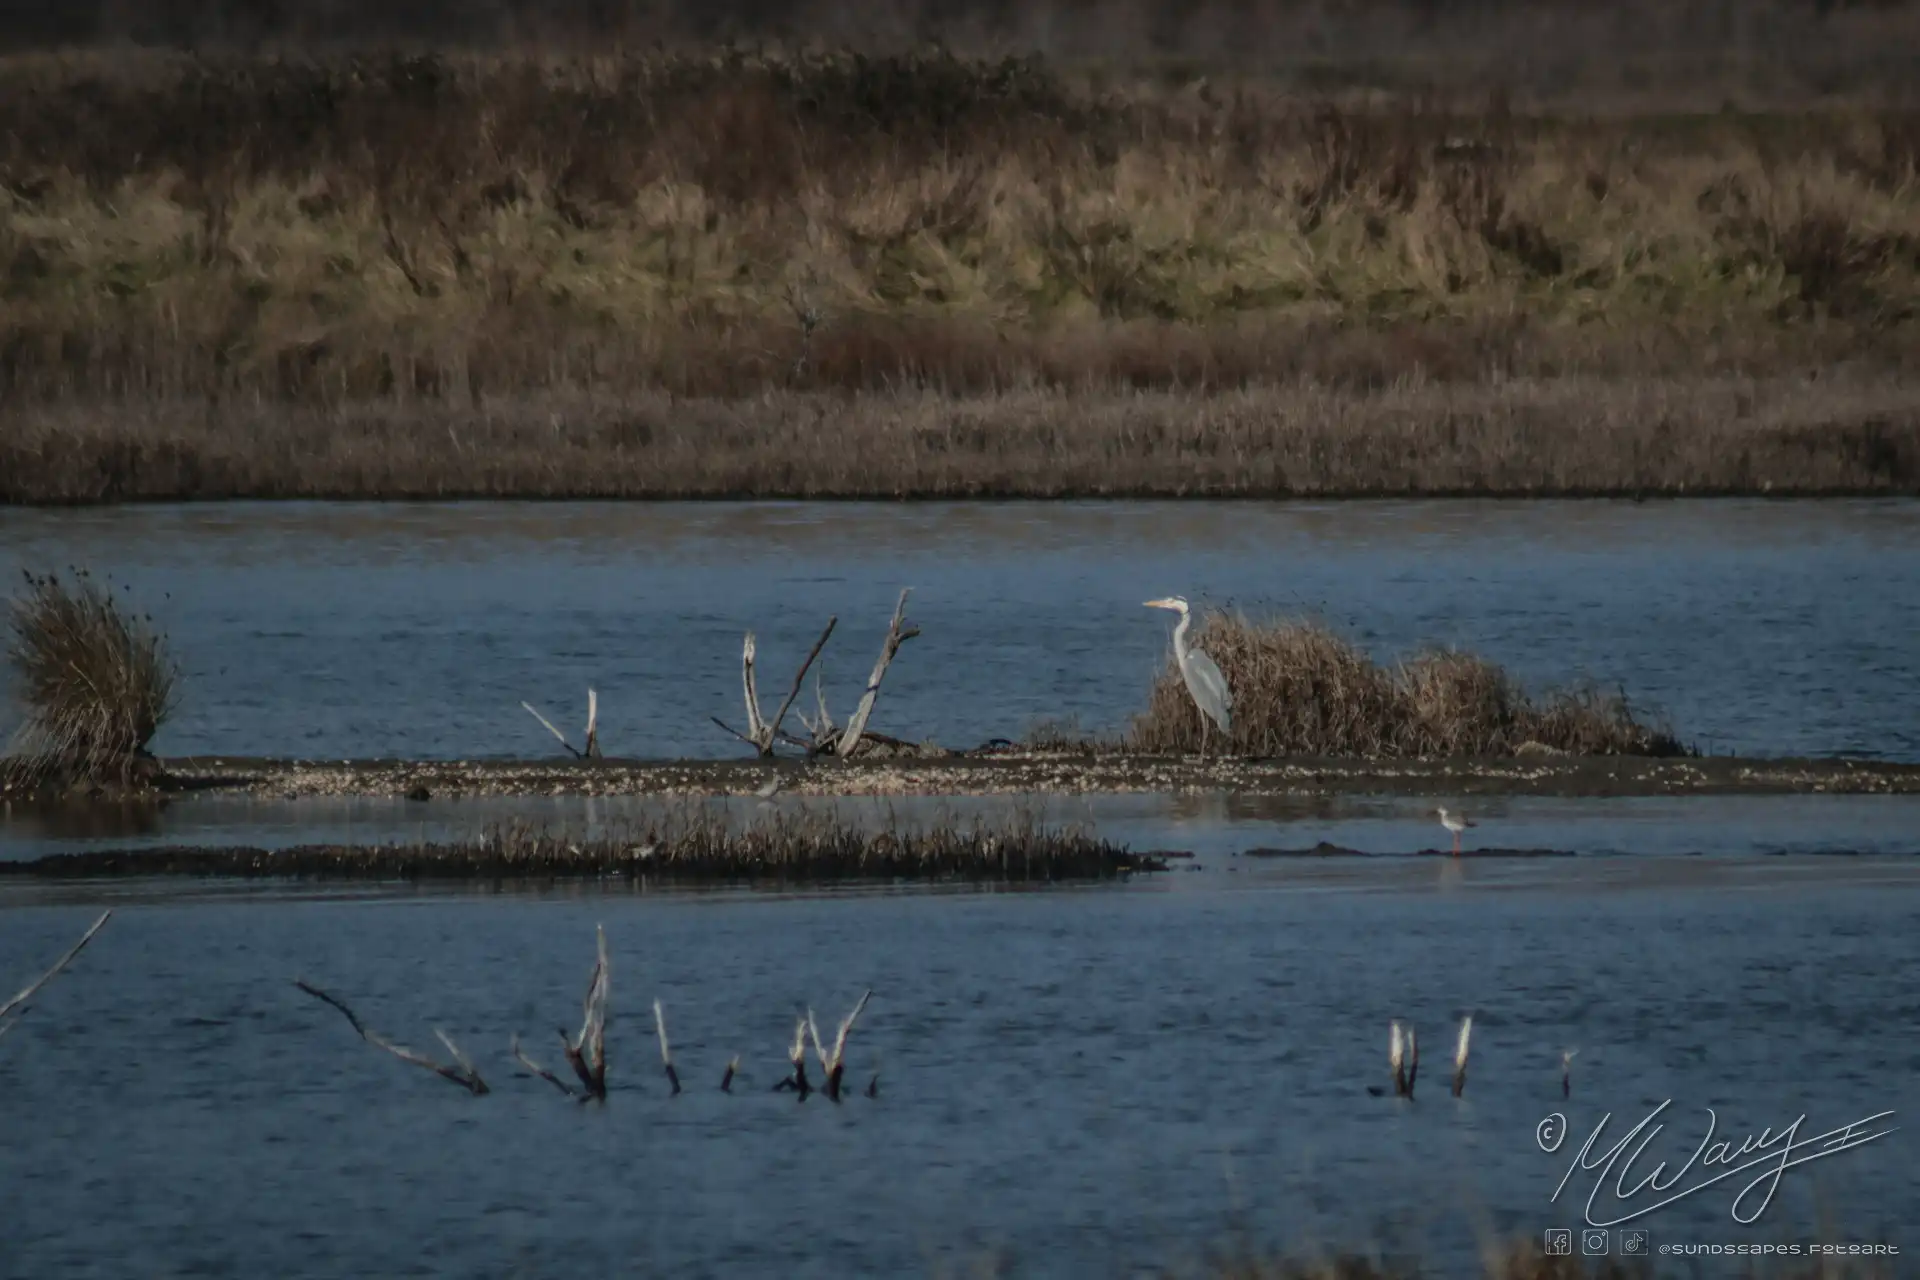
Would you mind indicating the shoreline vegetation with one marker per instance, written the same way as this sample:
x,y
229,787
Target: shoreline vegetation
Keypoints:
x,y
695,842
701,272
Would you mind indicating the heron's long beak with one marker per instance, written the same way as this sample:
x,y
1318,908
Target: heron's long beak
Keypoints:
x,y
1162,603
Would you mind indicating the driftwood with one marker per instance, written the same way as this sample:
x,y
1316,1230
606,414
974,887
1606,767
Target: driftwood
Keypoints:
x,y
586,1053
898,633
761,733
797,1055
1399,1041
666,1053
1460,1056
592,749
462,1072
18,1005
832,1065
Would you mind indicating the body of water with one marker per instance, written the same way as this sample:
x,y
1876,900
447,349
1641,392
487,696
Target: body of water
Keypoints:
x,y
344,630
1072,1082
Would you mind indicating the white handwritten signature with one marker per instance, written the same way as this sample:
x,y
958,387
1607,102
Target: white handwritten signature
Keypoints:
x,y
1773,1153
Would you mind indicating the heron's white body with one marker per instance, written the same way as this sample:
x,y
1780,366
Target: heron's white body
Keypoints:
x,y
1205,684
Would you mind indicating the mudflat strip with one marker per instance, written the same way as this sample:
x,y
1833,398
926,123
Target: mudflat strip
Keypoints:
x,y
1042,773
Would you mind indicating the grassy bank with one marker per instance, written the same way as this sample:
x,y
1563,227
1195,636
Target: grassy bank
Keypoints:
x,y
1299,691
687,842
563,250
1579,436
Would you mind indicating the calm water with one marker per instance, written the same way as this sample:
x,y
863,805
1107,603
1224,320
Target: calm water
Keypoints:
x,y
346,630
1076,1082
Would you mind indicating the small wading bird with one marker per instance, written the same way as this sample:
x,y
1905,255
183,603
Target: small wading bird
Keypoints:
x,y
1204,681
1456,823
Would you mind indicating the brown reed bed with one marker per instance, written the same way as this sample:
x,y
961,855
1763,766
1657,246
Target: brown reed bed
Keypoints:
x,y
693,842
1531,438
95,683
1300,690
399,245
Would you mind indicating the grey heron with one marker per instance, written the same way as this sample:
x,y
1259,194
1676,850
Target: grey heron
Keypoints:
x,y
1204,681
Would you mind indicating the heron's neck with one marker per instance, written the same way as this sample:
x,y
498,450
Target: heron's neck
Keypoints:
x,y
1180,632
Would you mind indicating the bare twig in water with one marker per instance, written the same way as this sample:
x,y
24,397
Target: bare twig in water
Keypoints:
x,y
587,1053
1413,1059
797,1055
873,1086
898,633
542,1072
1566,1072
832,1064
18,1004
461,1073
592,749
733,1069
666,1053
1460,1055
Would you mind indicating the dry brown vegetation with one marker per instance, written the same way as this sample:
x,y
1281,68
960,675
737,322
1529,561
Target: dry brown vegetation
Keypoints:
x,y
544,257
1534,437
683,842
95,684
1300,690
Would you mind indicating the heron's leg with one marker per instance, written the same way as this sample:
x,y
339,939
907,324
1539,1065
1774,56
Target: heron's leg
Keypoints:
x,y
1203,737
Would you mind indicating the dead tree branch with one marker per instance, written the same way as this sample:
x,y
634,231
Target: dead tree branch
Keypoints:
x,y
833,1065
797,1055
19,1003
666,1053
587,1053
757,732
1460,1055
461,1073
592,750
733,1069
898,633
542,1072
761,733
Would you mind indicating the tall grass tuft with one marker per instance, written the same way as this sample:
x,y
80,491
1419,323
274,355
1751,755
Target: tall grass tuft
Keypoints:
x,y
1300,690
95,684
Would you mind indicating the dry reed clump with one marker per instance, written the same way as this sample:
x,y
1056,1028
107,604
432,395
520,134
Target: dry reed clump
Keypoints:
x,y
1300,690
699,841
95,684
458,228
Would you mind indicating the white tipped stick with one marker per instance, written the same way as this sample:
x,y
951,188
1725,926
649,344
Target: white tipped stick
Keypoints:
x,y
756,726
835,1067
550,729
733,1069
1413,1059
1460,1055
798,1054
666,1053
813,1032
27,994
541,1071
593,721
846,1025
1566,1072
1396,1049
